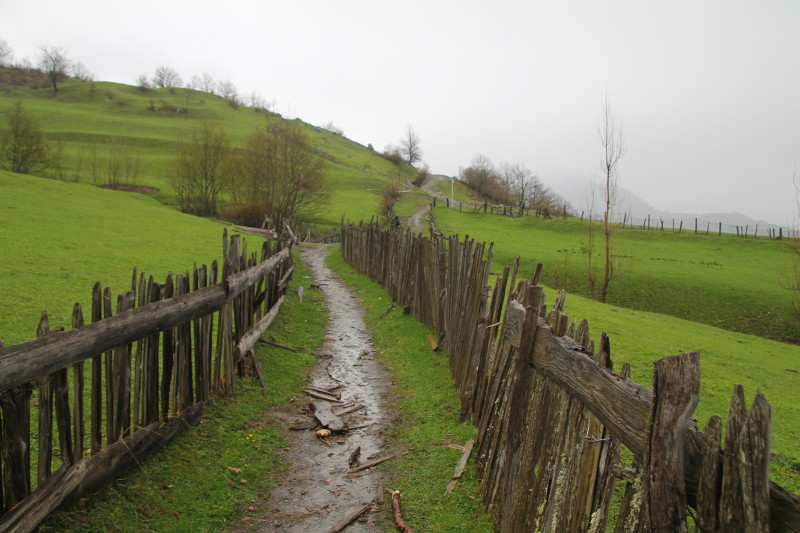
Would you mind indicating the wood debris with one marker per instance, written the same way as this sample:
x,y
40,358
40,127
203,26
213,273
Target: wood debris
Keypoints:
x,y
324,413
398,515
370,464
462,463
322,396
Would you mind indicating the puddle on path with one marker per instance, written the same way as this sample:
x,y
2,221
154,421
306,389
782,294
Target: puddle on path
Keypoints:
x,y
317,492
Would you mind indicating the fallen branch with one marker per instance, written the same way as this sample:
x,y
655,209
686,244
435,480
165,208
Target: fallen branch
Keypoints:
x,y
460,466
351,517
398,515
391,307
370,465
326,392
323,396
350,410
231,483
284,346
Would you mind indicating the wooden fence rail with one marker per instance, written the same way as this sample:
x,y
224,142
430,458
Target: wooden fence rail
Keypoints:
x,y
154,361
552,416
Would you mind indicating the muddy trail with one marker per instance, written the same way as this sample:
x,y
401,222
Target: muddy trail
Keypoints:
x,y
318,492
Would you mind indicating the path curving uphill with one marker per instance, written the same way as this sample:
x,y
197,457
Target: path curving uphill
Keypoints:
x,y
318,493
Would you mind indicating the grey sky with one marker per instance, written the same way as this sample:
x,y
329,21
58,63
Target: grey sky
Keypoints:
x,y
708,91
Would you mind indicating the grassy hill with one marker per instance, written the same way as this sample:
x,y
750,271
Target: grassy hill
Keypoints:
x,y
727,282
62,237
84,116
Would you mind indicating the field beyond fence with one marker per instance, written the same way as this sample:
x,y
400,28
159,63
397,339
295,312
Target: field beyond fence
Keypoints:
x,y
547,404
154,362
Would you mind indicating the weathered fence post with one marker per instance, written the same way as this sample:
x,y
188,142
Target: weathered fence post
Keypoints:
x,y
676,393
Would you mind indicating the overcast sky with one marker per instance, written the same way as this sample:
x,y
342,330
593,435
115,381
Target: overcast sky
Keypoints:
x,y
708,90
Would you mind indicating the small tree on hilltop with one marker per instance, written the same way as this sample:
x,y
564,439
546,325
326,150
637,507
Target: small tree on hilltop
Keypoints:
x,y
53,61
411,146
166,77
5,53
23,148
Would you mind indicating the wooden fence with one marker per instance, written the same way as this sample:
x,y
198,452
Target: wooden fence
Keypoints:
x,y
553,416
152,365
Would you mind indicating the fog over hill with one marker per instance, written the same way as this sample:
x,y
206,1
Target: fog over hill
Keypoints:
x,y
575,188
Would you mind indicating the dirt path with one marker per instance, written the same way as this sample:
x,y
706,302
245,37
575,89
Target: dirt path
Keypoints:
x,y
318,492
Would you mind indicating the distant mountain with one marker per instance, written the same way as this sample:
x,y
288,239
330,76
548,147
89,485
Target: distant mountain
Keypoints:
x,y
574,187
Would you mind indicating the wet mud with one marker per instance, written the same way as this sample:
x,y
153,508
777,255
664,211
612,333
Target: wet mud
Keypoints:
x,y
318,491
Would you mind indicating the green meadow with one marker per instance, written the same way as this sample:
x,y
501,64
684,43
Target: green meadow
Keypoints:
x,y
85,116
722,296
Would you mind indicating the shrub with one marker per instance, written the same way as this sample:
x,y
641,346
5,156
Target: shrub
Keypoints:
x,y
422,176
389,196
393,154
246,214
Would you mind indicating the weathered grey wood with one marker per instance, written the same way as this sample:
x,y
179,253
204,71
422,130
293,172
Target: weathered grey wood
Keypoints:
x,y
239,282
130,451
250,338
756,448
622,405
26,516
730,505
79,379
70,483
45,402
460,466
676,393
25,361
16,444
323,411
708,491
96,403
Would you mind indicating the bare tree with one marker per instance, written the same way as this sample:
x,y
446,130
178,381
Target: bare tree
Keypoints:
x,y
166,77
202,157
23,148
256,101
518,180
80,71
483,178
411,145
613,140
279,176
792,279
143,82
53,61
207,83
228,91
123,162
5,53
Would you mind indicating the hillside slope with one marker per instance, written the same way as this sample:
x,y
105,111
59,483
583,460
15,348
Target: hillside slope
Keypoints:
x,y
85,116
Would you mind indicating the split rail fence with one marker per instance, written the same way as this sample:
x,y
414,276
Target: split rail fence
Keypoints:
x,y
553,416
152,365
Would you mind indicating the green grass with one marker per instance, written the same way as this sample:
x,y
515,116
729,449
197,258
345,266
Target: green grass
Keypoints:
x,y
725,282
461,191
726,358
60,238
181,488
428,416
84,116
